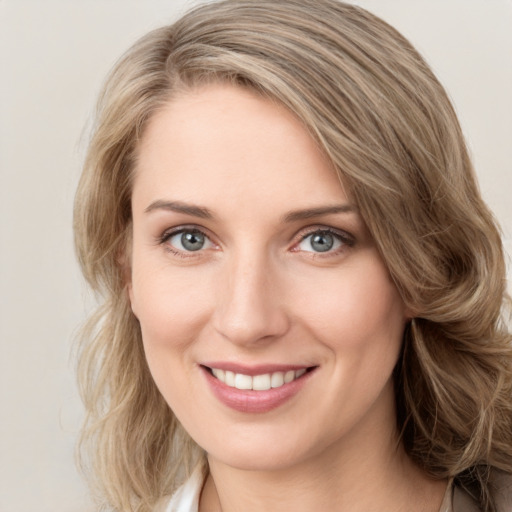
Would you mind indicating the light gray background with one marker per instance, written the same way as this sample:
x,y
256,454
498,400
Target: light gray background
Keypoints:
x,y
54,56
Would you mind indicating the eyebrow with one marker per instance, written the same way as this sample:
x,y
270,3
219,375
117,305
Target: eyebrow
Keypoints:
x,y
318,212
293,216
179,207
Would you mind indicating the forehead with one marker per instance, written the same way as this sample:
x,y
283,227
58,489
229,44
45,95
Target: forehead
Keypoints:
x,y
228,142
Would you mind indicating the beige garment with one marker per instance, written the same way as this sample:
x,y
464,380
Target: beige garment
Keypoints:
x,y
456,500
502,483
461,501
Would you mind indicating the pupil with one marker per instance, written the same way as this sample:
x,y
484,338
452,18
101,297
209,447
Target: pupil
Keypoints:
x,y
192,241
322,242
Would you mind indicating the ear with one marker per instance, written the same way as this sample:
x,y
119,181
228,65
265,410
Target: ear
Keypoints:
x,y
129,292
124,261
128,289
125,269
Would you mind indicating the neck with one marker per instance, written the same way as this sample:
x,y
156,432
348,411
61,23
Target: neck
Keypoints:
x,y
361,472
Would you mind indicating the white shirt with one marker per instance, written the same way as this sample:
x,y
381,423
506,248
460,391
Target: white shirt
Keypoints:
x,y
186,498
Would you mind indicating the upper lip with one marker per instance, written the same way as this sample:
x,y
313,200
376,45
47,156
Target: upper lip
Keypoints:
x,y
252,370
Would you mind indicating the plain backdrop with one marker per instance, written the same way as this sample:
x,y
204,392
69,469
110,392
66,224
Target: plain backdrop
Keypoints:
x,y
54,56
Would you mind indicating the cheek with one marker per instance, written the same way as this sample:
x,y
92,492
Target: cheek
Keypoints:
x,y
171,304
357,307
171,308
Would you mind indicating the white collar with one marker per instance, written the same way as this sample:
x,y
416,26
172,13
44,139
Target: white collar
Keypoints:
x,y
186,498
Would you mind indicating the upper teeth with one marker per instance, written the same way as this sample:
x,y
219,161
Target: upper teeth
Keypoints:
x,y
257,382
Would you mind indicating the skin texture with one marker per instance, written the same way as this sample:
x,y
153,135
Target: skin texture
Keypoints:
x,y
258,293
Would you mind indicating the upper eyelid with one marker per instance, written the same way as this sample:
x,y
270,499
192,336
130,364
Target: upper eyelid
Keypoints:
x,y
305,232
346,240
169,232
299,236
165,237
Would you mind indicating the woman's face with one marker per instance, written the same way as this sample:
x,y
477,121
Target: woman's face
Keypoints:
x,y
270,323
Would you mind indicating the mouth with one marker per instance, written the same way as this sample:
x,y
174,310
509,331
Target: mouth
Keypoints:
x,y
255,389
259,382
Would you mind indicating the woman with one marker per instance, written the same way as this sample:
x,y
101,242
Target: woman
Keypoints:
x,y
302,286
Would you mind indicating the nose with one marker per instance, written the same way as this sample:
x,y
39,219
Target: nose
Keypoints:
x,y
249,310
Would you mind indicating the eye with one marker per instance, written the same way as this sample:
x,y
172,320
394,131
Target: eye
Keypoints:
x,y
322,241
188,240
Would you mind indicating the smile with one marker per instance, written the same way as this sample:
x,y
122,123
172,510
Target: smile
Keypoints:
x,y
261,382
257,389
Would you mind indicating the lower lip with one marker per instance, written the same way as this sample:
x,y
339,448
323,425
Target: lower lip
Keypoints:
x,y
250,401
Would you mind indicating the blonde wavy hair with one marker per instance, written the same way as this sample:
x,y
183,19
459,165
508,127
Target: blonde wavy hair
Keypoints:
x,y
377,111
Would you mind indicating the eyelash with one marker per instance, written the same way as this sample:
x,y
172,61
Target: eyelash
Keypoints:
x,y
346,239
167,235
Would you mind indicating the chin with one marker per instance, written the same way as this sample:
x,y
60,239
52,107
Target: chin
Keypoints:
x,y
264,453
258,462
